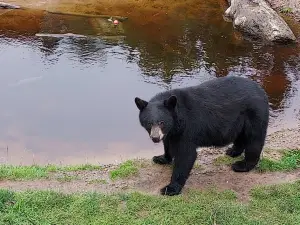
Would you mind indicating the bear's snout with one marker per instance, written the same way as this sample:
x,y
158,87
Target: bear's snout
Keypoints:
x,y
156,139
156,134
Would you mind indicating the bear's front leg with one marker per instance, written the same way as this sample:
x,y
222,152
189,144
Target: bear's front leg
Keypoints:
x,y
166,158
185,158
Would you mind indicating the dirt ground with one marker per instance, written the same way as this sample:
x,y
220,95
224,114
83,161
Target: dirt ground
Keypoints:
x,y
151,177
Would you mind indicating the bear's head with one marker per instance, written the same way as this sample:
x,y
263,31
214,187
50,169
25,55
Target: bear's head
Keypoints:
x,y
157,117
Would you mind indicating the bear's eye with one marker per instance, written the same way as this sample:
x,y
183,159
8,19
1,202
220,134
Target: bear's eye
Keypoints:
x,y
161,123
149,124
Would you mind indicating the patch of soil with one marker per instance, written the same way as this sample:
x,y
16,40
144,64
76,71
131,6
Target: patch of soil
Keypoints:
x,y
284,139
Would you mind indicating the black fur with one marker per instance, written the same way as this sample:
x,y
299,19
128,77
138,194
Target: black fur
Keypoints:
x,y
215,113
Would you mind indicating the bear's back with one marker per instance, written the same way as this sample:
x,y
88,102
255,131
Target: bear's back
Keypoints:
x,y
218,92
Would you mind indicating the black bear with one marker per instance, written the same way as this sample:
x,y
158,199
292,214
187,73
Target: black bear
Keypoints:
x,y
215,113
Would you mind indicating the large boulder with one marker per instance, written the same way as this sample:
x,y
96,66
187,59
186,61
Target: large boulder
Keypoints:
x,y
257,19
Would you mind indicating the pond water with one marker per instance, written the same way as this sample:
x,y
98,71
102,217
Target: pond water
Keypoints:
x,y
71,99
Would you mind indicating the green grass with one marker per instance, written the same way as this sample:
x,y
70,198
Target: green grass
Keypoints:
x,y
197,166
276,205
289,161
124,170
98,181
53,168
286,10
10,172
67,178
22,172
226,160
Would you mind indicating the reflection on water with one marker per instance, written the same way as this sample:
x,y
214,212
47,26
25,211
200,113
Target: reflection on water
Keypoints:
x,y
70,100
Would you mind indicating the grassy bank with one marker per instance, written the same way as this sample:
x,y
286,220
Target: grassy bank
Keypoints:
x,y
276,204
10,172
290,160
269,205
126,169
123,170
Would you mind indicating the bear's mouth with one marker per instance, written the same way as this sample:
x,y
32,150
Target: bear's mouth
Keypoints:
x,y
156,134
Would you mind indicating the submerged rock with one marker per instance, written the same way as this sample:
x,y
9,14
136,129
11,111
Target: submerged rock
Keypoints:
x,y
4,5
257,19
60,35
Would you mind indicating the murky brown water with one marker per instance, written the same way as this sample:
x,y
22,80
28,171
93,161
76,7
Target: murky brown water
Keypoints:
x,y
70,100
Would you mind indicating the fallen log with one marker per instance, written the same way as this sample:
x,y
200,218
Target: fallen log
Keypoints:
x,y
255,18
71,35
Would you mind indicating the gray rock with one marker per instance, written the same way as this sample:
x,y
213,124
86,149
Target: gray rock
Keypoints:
x,y
257,19
4,5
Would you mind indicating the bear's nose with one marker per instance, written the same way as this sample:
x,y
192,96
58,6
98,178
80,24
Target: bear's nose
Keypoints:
x,y
155,139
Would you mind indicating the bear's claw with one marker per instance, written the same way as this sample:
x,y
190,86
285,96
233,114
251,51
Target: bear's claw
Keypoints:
x,y
161,159
171,189
242,166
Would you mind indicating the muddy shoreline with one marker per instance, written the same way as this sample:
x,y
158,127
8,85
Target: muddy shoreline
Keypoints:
x,y
155,13
142,8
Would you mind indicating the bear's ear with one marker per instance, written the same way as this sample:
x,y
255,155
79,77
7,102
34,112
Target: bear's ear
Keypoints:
x,y
141,104
171,102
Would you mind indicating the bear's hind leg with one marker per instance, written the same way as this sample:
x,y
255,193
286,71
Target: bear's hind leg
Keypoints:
x,y
252,156
166,158
255,135
239,143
